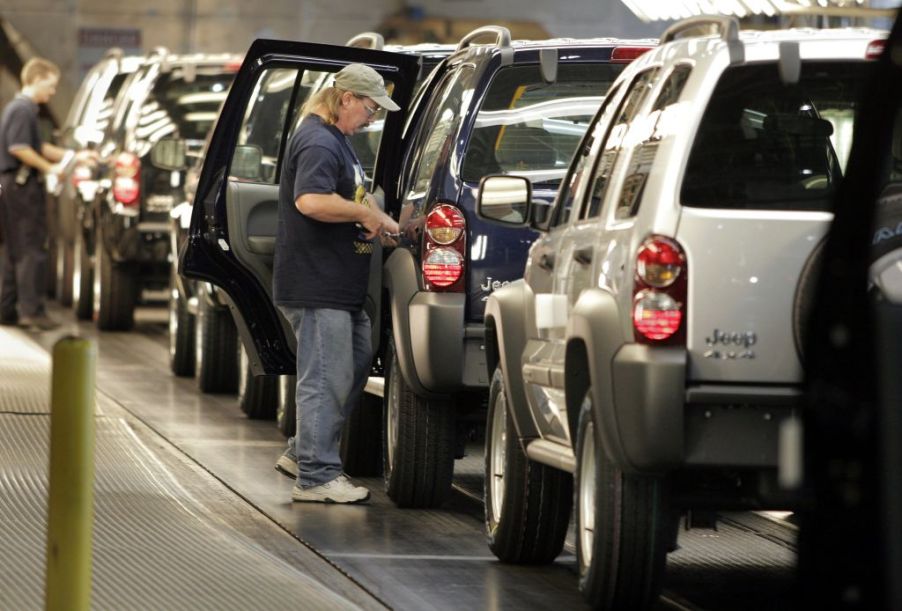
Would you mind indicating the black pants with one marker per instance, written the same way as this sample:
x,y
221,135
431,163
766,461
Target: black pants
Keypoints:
x,y
23,223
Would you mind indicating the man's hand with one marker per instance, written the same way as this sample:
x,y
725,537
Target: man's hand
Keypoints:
x,y
377,222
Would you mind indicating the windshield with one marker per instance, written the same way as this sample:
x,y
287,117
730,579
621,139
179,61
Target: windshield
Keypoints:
x,y
766,145
531,128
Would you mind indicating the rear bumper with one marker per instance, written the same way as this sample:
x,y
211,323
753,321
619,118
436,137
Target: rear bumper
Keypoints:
x,y
659,423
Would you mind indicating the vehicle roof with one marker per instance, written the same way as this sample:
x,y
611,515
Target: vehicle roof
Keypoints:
x,y
764,45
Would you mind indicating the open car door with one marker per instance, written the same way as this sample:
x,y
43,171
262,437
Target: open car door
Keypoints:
x,y
233,225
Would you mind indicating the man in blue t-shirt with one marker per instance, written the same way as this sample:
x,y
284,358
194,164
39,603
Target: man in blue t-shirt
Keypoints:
x,y
327,225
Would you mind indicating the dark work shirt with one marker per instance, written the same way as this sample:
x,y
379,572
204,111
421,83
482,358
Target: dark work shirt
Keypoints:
x,y
18,129
318,264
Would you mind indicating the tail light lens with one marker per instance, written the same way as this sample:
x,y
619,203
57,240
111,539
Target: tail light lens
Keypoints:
x,y
659,294
127,179
624,55
445,224
444,249
875,49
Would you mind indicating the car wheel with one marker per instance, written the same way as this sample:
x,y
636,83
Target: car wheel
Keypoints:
x,y
215,348
361,438
257,395
181,333
64,271
114,291
418,443
82,279
623,528
527,504
285,408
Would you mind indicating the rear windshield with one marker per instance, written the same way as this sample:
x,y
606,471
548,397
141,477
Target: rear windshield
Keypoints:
x,y
184,103
766,145
531,128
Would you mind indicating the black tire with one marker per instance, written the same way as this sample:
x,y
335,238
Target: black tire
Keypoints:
x,y
114,291
64,269
181,333
527,504
285,406
623,526
215,349
361,438
257,395
82,279
418,443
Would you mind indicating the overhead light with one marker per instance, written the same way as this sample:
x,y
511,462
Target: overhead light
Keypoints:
x,y
663,10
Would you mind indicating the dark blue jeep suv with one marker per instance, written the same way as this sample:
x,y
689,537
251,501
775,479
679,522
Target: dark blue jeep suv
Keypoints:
x,y
493,106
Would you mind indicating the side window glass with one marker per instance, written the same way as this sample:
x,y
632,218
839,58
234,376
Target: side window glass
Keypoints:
x,y
441,121
606,160
259,143
643,155
583,155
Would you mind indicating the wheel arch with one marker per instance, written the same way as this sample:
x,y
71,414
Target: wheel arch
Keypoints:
x,y
505,340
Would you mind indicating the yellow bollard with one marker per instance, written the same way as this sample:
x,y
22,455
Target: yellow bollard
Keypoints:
x,y
70,516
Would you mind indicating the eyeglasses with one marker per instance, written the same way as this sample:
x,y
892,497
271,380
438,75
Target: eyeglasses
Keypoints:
x,y
370,111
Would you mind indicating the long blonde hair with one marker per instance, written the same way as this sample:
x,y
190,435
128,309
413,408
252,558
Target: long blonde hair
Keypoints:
x,y
329,99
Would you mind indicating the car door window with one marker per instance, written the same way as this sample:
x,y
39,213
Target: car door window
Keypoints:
x,y
606,160
582,157
644,153
443,119
260,138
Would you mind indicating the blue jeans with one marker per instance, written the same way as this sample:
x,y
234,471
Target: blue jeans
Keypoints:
x,y
334,357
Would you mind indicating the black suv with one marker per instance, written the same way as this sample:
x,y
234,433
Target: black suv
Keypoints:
x,y
488,108
161,118
89,117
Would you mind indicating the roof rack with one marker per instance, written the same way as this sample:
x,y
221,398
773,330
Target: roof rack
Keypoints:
x,y
367,40
501,33
728,27
113,53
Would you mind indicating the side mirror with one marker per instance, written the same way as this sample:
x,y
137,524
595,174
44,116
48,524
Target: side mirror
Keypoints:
x,y
504,200
246,162
169,154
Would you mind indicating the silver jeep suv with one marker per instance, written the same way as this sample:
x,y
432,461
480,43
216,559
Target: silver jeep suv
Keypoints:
x,y
650,359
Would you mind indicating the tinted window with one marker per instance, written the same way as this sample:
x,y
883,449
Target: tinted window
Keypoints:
x,y
627,111
531,128
184,102
766,145
643,155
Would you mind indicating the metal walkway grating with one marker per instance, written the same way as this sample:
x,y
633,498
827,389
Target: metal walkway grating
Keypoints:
x,y
157,545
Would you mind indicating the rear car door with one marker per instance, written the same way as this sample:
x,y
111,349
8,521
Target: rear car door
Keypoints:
x,y
231,238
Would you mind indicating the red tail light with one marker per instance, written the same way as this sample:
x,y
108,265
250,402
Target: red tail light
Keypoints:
x,y
659,293
875,49
127,179
624,55
444,249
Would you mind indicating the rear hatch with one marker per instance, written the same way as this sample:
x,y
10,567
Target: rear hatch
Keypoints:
x,y
528,127
756,198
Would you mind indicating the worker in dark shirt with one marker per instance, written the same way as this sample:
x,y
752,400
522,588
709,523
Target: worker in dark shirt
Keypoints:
x,y
24,162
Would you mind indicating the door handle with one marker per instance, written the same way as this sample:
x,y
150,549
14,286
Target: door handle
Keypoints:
x,y
546,260
583,256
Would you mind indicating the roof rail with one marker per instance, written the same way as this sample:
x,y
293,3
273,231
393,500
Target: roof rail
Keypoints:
x,y
113,53
728,26
367,40
501,33
729,33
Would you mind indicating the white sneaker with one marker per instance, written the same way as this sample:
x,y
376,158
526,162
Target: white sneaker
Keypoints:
x,y
287,465
339,490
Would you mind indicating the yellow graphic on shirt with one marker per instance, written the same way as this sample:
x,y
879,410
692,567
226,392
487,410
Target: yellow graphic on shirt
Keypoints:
x,y
362,248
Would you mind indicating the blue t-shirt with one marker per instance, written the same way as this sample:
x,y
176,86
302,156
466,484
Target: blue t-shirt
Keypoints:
x,y
18,129
317,264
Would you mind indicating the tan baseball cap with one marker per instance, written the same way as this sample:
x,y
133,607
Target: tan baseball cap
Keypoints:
x,y
363,80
